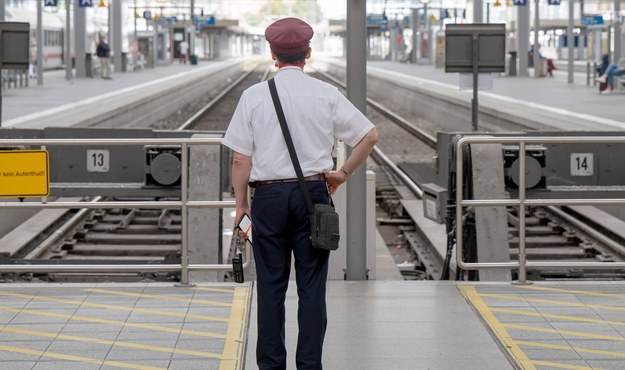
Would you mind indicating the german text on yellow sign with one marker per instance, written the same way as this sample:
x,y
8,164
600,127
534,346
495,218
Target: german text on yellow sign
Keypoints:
x,y
24,173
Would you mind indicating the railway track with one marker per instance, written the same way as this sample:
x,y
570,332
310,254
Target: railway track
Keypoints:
x,y
552,233
153,236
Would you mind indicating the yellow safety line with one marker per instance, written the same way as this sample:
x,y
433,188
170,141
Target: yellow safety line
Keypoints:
x,y
563,366
500,332
234,343
551,301
160,297
110,342
216,290
570,348
567,332
115,307
580,292
113,322
61,356
554,316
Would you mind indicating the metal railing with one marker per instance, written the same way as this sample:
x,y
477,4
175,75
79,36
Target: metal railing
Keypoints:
x,y
522,264
184,204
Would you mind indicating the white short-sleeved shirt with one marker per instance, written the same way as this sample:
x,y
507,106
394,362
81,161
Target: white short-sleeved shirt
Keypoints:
x,y
317,114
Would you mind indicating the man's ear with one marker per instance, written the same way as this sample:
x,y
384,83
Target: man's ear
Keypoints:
x,y
274,56
308,53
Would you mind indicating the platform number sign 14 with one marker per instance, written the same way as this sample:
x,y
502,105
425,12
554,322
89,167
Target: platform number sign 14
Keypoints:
x,y
97,160
582,164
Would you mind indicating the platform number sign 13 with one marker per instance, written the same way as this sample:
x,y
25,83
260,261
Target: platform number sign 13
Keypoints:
x,y
97,160
582,164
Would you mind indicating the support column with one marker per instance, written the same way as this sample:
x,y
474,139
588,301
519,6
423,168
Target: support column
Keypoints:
x,y
478,11
68,51
523,35
39,44
618,33
571,42
205,225
117,34
414,23
536,46
80,36
356,186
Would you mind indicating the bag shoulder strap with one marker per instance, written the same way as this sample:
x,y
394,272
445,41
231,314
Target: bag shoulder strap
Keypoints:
x,y
289,144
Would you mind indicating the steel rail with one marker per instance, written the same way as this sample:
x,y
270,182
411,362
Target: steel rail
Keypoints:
x,y
414,130
522,264
199,114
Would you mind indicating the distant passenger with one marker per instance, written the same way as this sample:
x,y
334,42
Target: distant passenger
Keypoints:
x,y
183,48
605,63
317,114
103,51
613,70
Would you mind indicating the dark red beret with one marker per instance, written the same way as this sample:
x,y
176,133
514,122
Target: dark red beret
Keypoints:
x,y
289,36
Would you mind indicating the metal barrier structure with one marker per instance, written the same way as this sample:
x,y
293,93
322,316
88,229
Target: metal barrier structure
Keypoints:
x,y
522,264
184,204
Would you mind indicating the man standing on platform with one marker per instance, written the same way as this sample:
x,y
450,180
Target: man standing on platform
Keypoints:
x,y
103,51
183,48
317,115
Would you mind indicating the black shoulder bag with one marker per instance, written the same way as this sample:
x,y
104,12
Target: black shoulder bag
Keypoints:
x,y
324,221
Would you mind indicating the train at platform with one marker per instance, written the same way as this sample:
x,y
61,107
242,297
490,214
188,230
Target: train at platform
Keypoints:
x,y
54,37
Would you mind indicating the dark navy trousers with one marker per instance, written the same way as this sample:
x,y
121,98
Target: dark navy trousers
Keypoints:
x,y
281,229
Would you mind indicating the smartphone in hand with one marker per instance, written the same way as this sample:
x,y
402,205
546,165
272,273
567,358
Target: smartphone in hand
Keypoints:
x,y
245,224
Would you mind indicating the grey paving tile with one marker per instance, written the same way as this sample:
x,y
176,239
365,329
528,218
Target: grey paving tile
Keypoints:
x,y
507,303
105,335
425,363
36,344
48,328
83,327
606,364
203,345
7,336
129,336
98,355
13,303
550,354
65,365
563,364
16,365
520,334
211,327
152,341
519,319
156,304
602,301
587,327
207,364
6,317
47,305
162,364
569,311
16,356
101,312
132,354
62,345
608,345
223,312
34,319
155,319
611,315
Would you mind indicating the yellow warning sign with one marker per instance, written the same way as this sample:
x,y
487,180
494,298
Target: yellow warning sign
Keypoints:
x,y
24,173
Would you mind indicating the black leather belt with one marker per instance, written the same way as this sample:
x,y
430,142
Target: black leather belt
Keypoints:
x,y
317,177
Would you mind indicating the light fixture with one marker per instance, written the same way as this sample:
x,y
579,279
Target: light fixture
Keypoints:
x,y
497,3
